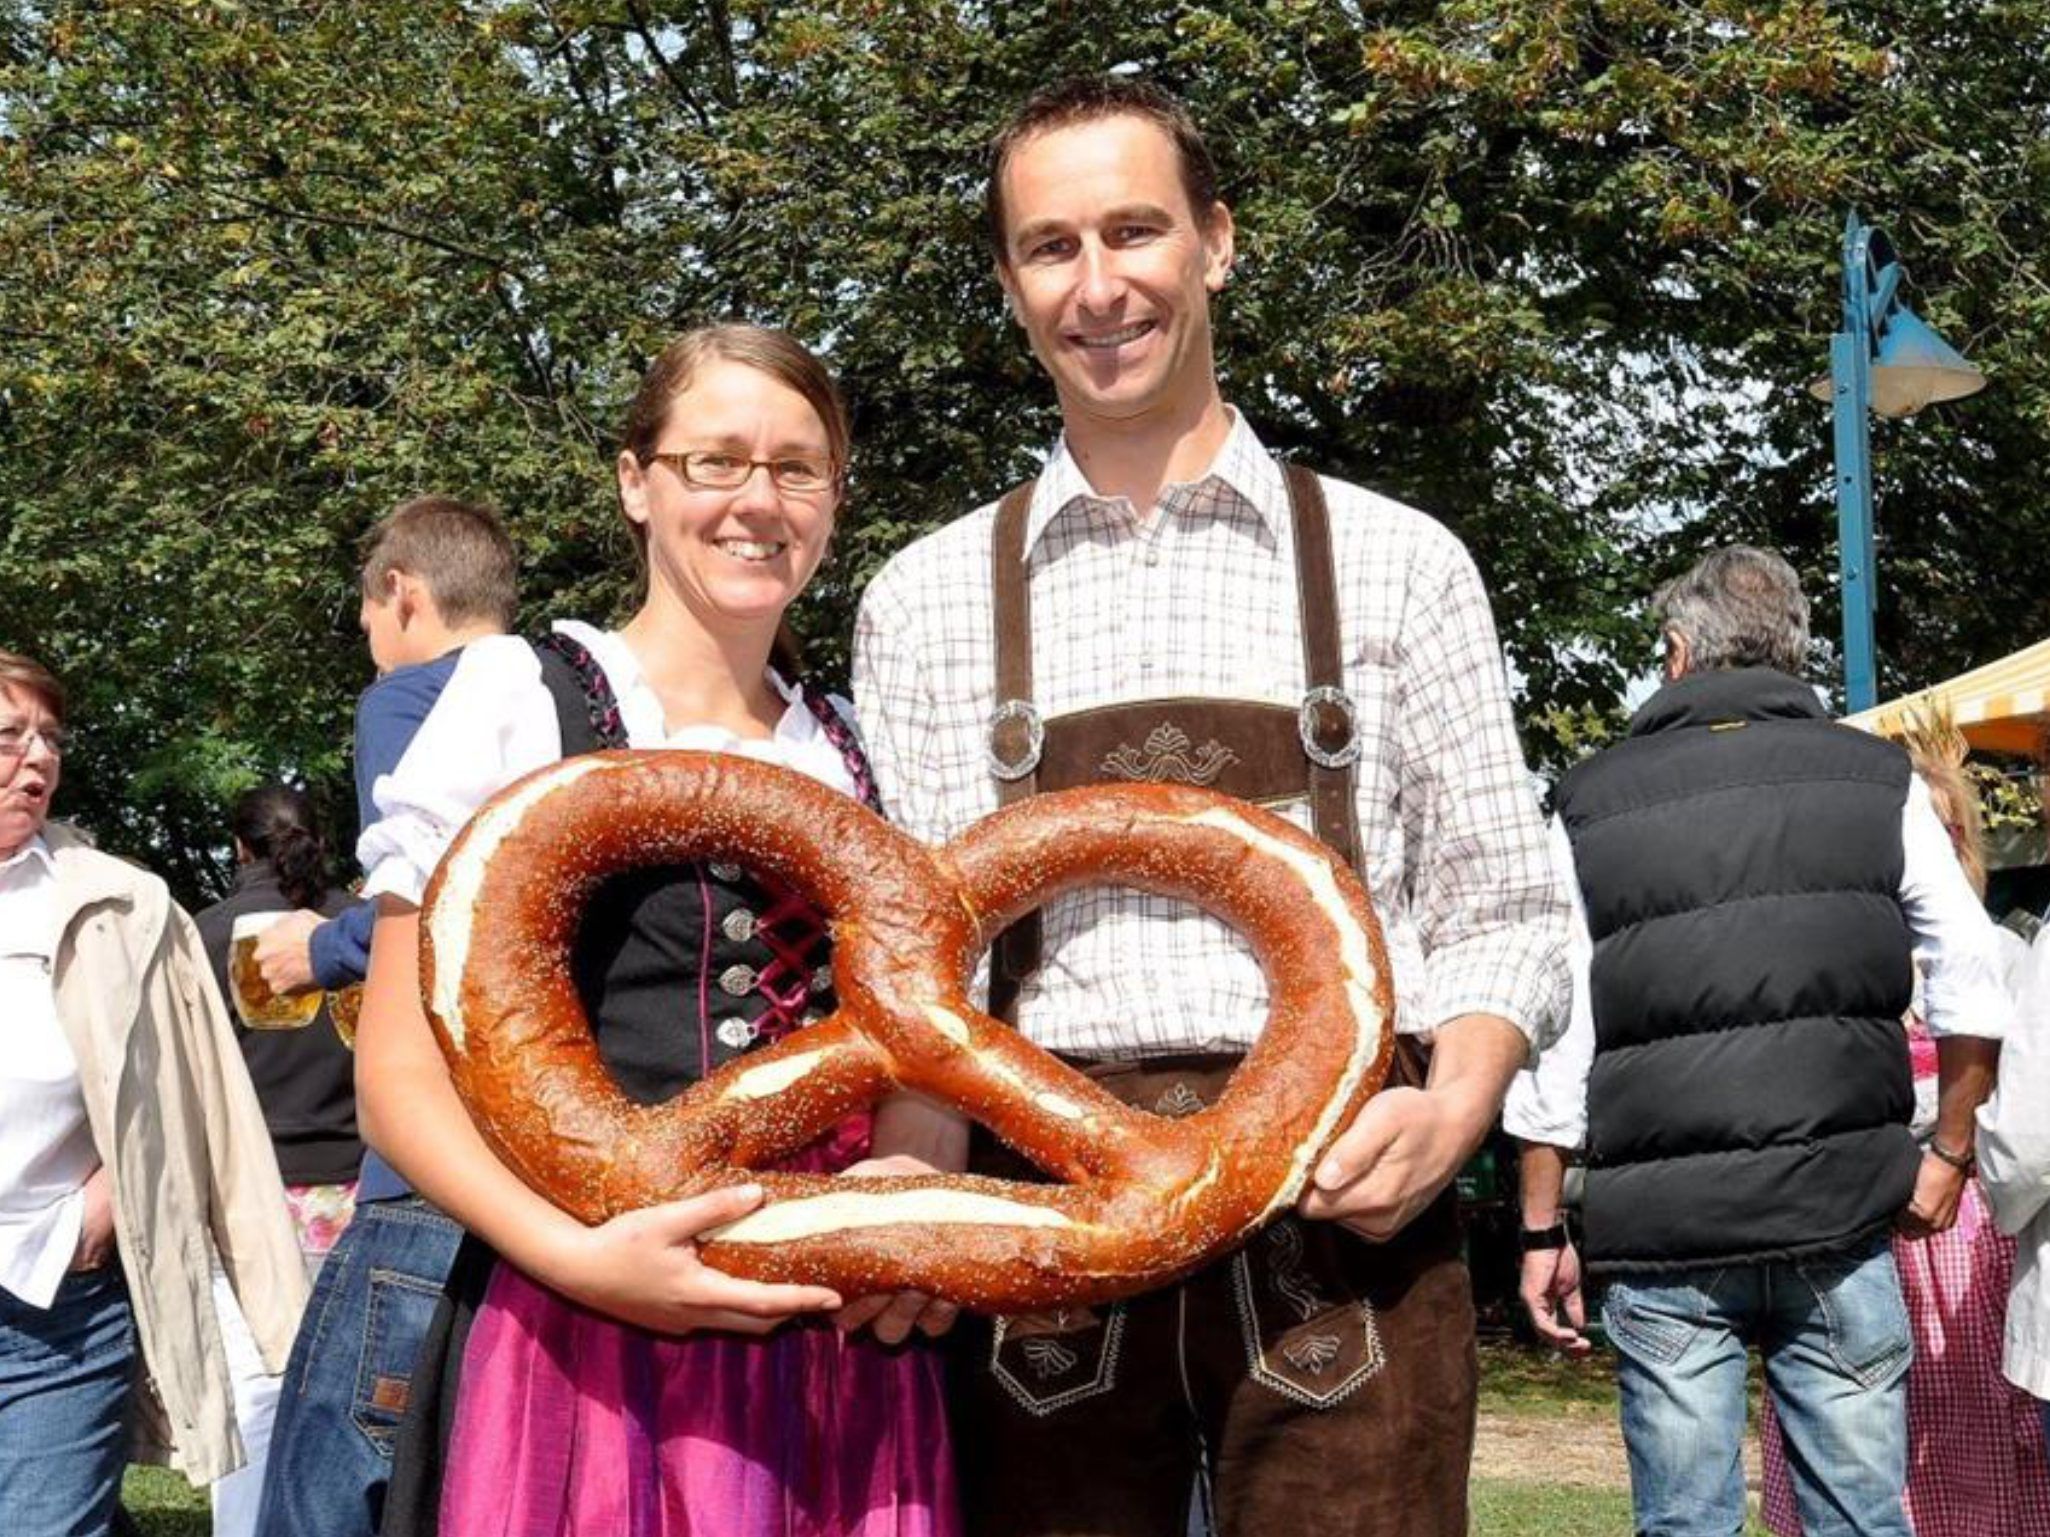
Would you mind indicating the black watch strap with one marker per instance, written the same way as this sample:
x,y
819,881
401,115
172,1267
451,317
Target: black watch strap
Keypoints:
x,y
1553,1237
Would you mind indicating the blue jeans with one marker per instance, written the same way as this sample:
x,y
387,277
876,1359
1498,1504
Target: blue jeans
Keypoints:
x,y
351,1371
64,1400
1834,1335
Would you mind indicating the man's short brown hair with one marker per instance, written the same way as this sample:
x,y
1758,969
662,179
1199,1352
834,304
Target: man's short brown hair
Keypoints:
x,y
1089,99
32,677
459,549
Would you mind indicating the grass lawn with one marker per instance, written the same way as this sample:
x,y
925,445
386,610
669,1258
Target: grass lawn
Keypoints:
x,y
164,1505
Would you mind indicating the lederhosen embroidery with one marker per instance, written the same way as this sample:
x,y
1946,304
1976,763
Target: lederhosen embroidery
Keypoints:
x,y
1313,1348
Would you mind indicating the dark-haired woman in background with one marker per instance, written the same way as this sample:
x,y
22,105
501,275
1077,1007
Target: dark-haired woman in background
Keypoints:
x,y
305,1081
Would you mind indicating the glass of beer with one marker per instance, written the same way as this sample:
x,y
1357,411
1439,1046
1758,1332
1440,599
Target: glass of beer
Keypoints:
x,y
260,1008
343,1007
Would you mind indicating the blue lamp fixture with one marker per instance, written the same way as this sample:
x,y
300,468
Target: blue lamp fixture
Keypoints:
x,y
1885,359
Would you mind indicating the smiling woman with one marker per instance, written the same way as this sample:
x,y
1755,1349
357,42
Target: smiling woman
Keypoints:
x,y
668,1413
133,1161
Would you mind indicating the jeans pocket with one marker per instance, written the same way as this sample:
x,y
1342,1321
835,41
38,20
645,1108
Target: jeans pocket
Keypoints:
x,y
395,1324
1654,1323
1864,1316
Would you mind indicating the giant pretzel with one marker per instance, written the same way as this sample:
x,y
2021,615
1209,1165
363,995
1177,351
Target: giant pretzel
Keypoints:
x,y
1137,1200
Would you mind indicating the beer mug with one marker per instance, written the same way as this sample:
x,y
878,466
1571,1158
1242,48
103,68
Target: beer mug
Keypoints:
x,y
259,1007
343,1007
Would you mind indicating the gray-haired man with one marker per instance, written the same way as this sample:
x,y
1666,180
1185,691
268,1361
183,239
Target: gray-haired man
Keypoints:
x,y
1755,885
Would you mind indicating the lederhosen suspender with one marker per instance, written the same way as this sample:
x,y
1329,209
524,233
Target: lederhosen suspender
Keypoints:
x,y
1258,752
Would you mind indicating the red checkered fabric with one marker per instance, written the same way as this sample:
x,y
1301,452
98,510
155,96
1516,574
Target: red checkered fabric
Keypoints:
x,y
1976,1464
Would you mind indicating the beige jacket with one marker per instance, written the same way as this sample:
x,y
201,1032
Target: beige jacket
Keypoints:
x,y
178,1127
2014,1171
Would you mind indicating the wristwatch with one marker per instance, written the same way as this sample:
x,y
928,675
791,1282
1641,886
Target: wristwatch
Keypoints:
x,y
1553,1237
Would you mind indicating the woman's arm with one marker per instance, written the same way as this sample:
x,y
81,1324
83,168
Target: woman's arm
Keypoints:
x,y
642,1267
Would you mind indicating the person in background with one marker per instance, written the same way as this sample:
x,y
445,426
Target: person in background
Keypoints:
x,y
1976,1464
305,1076
133,1161
305,1081
2014,1171
438,575
1754,883
602,1379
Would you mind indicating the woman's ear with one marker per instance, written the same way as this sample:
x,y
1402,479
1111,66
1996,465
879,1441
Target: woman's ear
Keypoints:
x,y
633,487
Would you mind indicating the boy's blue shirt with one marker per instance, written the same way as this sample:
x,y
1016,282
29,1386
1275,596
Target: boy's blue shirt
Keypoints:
x,y
387,718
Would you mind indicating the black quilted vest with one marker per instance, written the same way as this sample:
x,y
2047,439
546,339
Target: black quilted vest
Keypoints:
x,y
1740,857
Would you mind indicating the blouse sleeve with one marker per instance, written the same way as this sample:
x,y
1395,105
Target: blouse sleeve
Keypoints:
x,y
493,722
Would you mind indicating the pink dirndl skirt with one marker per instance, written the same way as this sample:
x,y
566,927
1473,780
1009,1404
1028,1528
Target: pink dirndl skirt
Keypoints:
x,y
570,1422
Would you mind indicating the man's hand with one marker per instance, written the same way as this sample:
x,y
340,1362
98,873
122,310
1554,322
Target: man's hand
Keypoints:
x,y
1406,1145
1398,1154
1550,1289
1939,1187
96,1232
284,952
894,1316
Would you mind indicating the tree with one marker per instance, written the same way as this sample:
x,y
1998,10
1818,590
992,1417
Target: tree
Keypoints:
x,y
1548,268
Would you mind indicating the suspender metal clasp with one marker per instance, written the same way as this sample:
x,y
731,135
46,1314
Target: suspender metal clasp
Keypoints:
x,y
1005,762
1324,708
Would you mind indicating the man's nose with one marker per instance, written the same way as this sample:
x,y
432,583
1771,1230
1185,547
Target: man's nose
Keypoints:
x,y
1103,283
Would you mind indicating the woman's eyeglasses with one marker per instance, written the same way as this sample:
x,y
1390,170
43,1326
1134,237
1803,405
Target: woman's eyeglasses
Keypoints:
x,y
711,469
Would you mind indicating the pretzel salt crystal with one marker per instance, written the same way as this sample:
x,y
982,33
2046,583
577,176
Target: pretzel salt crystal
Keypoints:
x,y
1138,1199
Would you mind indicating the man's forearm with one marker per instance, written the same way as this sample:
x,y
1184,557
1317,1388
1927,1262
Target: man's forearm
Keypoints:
x,y
1541,1181
1965,1069
1473,1060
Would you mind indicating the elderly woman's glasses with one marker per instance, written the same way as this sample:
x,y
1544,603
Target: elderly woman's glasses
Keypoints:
x,y
712,469
15,741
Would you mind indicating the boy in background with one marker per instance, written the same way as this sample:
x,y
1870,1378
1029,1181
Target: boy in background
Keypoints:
x,y
438,573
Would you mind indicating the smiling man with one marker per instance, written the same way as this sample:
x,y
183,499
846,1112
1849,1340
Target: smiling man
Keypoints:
x,y
1167,601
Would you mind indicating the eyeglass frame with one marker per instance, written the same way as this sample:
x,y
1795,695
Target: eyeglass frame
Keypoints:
x,y
56,738
678,461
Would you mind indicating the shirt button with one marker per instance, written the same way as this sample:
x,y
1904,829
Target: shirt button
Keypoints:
x,y
822,979
738,981
738,925
1152,555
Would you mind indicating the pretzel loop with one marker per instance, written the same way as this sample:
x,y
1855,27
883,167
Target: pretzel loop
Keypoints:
x,y
1138,1199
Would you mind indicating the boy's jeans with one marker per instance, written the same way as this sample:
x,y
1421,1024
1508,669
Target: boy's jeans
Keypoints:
x,y
351,1370
1834,1335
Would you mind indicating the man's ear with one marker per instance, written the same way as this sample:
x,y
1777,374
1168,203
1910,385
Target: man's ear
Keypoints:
x,y
1220,247
1009,284
1679,656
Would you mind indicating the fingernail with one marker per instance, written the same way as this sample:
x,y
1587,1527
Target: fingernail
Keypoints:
x,y
1330,1175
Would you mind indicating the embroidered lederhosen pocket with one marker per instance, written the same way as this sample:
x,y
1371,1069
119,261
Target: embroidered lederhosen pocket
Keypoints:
x,y
1047,1361
1309,1335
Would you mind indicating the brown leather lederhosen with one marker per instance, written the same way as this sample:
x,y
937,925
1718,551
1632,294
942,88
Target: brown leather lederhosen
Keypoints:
x,y
1327,1383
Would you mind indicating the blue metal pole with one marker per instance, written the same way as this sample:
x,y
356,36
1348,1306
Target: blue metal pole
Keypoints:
x,y
1850,367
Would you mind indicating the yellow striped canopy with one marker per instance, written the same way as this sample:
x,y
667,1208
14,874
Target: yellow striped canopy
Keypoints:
x,y
2001,707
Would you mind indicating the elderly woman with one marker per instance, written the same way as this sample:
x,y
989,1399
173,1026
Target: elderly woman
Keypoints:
x,y
131,1151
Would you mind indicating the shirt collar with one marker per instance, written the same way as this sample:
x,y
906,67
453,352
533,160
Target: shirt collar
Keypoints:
x,y
1242,463
16,866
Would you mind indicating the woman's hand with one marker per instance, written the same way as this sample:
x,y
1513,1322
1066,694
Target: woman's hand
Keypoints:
x,y
96,1232
643,1268
893,1315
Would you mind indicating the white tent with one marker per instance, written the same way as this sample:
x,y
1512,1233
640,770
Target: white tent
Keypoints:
x,y
2001,707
